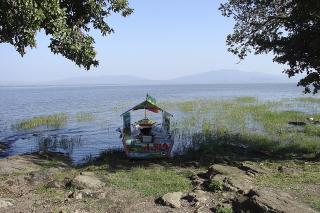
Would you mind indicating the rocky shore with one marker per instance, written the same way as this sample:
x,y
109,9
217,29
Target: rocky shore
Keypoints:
x,y
41,183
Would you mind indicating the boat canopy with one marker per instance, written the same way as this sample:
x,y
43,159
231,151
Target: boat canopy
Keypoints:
x,y
148,104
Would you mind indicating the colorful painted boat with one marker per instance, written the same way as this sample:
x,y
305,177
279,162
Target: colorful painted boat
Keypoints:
x,y
145,138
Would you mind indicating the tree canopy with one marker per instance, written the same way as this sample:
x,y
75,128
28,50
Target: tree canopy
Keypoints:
x,y
66,22
290,29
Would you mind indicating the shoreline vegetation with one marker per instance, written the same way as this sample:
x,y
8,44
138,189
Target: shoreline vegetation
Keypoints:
x,y
240,154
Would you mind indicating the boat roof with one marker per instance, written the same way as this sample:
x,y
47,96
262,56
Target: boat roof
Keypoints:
x,y
148,105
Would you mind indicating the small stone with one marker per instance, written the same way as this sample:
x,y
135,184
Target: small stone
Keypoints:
x,y
78,195
87,181
55,184
70,194
5,203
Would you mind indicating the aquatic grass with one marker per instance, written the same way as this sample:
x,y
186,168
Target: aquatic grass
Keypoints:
x,y
308,99
58,144
84,116
186,106
246,99
150,182
260,126
50,121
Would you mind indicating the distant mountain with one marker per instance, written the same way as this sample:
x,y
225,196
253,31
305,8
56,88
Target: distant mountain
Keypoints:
x,y
212,77
231,77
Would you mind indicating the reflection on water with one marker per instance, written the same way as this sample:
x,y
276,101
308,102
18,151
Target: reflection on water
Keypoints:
x,y
64,144
105,103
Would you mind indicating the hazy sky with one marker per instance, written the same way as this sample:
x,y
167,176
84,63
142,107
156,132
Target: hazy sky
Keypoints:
x,y
160,40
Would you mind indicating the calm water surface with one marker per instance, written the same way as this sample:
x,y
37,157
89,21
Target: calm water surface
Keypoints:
x,y
106,103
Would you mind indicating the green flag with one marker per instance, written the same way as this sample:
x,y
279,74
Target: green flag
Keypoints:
x,y
151,99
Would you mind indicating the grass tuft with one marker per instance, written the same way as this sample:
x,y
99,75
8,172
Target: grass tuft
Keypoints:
x,y
215,186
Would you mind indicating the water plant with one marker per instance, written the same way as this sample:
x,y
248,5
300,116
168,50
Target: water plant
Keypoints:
x,y
264,127
246,99
65,144
84,116
57,120
309,99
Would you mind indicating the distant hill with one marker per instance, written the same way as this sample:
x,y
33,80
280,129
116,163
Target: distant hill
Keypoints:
x,y
212,77
232,77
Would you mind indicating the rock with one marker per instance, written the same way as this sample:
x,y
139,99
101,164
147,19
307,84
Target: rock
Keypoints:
x,y
199,197
87,173
87,193
288,170
55,184
197,181
172,199
78,195
252,168
5,203
271,200
70,194
232,178
87,181
202,209
94,194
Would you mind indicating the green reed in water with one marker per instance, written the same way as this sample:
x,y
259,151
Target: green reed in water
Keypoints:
x,y
84,116
54,121
259,126
246,99
309,99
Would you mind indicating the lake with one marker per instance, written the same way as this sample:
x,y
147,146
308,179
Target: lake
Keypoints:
x,y
106,103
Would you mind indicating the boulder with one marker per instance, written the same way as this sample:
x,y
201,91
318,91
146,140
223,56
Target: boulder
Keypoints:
x,y
172,199
272,200
232,178
87,181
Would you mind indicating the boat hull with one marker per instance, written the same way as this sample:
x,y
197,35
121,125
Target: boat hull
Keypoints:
x,y
160,149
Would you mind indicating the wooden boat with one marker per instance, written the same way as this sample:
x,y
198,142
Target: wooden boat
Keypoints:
x,y
145,138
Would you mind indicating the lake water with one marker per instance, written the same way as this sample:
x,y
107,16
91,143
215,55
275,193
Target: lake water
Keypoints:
x,y
106,103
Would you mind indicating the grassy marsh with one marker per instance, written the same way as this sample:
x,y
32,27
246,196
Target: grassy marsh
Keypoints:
x,y
309,99
57,120
260,126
